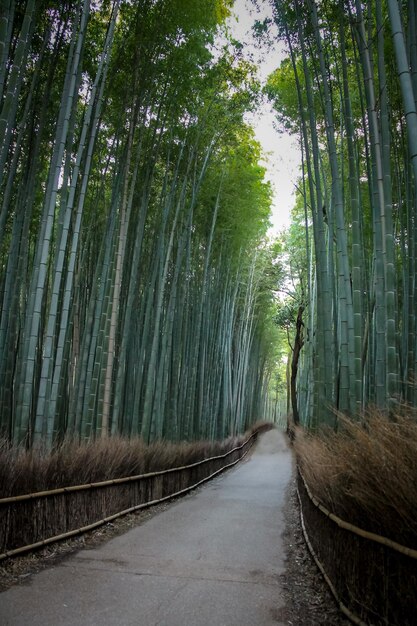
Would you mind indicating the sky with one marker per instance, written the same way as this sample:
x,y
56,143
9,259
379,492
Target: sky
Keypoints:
x,y
282,151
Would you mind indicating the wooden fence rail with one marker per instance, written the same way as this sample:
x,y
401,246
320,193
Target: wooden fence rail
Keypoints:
x,y
33,520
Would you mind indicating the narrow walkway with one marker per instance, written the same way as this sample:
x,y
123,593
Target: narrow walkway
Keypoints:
x,y
211,559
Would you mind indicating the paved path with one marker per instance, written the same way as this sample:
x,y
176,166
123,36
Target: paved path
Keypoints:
x,y
211,559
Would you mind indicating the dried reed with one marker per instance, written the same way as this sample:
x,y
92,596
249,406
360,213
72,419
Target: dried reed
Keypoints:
x,y
27,471
366,473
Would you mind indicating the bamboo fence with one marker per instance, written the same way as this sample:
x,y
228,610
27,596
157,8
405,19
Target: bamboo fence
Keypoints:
x,y
373,578
30,521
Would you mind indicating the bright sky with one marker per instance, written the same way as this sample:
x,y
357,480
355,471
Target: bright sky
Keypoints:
x,y
283,154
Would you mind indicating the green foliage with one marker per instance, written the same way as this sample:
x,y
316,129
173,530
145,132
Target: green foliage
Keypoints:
x,y
281,91
246,199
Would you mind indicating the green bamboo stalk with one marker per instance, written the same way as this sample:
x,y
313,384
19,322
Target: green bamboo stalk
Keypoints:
x,y
15,80
345,295
40,273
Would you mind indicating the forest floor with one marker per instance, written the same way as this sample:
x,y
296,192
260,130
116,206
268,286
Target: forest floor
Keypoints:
x,y
303,598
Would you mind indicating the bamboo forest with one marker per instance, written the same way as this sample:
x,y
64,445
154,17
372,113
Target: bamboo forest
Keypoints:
x,y
349,91
138,281
135,277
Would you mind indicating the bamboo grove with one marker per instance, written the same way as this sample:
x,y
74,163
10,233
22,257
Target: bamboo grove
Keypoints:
x,y
133,274
349,89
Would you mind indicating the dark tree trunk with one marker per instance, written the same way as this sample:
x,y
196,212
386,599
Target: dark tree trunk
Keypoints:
x,y
298,344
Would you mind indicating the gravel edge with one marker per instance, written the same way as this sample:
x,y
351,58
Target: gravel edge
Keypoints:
x,y
20,569
308,600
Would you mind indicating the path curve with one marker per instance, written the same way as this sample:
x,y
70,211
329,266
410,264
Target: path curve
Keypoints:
x,y
213,558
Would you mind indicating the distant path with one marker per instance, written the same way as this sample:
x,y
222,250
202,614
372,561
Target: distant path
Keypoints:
x,y
211,559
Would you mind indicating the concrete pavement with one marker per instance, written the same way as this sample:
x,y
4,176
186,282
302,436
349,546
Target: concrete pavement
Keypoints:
x,y
212,558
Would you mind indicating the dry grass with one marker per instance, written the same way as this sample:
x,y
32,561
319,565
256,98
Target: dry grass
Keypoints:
x,y
366,473
72,463
261,426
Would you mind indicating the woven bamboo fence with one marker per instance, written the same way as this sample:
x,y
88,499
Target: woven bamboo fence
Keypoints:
x,y
373,579
34,520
